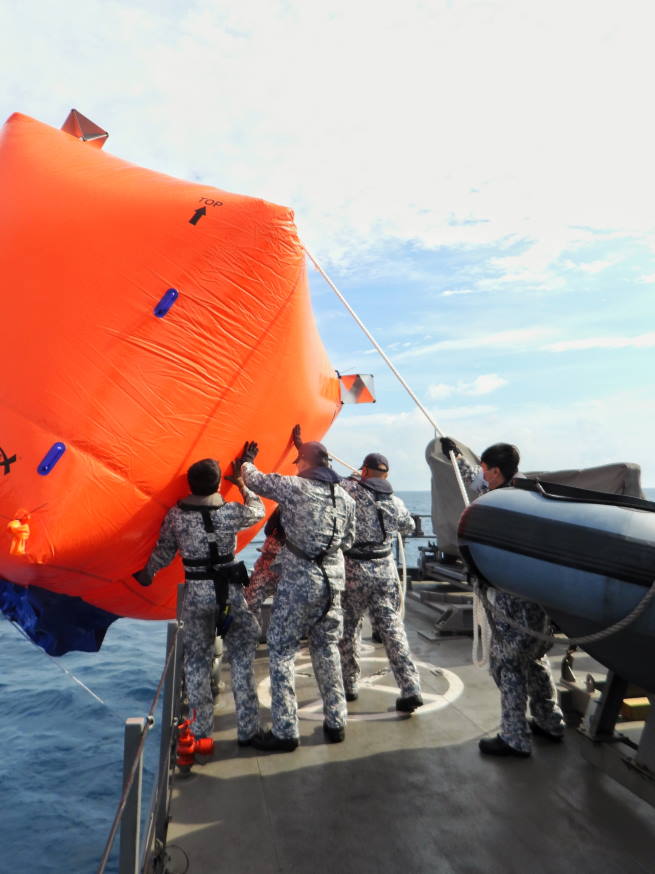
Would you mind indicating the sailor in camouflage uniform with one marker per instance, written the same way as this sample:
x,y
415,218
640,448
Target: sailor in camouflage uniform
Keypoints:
x,y
265,574
318,519
372,582
517,661
184,530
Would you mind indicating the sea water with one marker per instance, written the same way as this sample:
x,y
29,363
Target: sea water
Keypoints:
x,y
62,762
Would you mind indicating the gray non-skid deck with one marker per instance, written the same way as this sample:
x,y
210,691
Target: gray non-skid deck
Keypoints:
x,y
404,793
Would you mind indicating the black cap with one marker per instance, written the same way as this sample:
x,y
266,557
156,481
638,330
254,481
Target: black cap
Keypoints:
x,y
313,452
204,477
375,461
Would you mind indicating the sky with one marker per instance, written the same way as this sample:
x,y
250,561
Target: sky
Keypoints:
x,y
475,177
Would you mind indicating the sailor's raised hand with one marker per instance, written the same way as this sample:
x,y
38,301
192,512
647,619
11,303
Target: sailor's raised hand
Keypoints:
x,y
250,451
142,577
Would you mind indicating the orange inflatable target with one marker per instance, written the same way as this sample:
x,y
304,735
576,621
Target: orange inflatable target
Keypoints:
x,y
147,322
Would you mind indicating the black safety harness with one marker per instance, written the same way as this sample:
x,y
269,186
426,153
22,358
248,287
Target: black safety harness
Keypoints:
x,y
367,550
213,567
320,557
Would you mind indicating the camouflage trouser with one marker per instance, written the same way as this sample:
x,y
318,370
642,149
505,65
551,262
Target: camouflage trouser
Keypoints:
x,y
298,607
521,679
199,617
374,589
240,646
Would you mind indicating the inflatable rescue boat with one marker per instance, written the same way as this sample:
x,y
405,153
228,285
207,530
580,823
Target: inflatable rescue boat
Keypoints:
x,y
586,557
147,322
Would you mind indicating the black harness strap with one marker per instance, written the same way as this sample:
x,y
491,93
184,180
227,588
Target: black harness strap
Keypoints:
x,y
320,557
204,571
360,552
210,569
366,550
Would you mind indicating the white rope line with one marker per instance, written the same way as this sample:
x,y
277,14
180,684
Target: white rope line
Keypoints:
x,y
628,619
481,630
403,578
65,670
437,430
373,341
344,463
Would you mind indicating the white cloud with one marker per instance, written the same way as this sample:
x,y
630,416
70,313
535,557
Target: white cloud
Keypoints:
x,y
550,437
253,97
481,385
597,266
519,338
642,341
439,391
484,384
454,291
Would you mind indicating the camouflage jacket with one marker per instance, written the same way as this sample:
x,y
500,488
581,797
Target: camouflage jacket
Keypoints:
x,y
472,476
371,514
310,519
183,530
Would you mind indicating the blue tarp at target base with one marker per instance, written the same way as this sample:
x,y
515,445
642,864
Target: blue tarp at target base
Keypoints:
x,y
58,623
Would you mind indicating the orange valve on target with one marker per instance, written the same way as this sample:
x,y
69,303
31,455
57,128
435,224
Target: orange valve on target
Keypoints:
x,y
20,532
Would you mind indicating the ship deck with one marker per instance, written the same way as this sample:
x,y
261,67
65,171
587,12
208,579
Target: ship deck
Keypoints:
x,y
404,793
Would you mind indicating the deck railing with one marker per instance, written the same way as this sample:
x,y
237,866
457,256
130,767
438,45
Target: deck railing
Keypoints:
x,y
136,855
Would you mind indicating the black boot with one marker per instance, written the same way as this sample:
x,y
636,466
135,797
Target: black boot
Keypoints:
x,y
541,732
352,696
409,704
496,746
266,740
334,735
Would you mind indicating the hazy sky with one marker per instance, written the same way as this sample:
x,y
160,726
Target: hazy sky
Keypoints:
x,y
476,177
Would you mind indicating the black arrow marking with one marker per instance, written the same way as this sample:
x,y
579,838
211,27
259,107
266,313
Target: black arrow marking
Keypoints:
x,y
198,214
6,462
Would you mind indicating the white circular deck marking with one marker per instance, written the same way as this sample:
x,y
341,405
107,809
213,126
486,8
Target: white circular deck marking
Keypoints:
x,y
431,701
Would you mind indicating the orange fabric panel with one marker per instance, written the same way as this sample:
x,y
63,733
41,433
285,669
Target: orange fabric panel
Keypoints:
x,y
90,245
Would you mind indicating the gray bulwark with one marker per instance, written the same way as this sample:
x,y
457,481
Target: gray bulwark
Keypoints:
x,y
405,794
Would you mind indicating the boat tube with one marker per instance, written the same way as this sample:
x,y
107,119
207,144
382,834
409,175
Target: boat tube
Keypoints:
x,y
618,478
586,557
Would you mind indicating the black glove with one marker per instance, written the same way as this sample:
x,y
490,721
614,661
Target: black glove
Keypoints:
x,y
142,577
250,451
235,476
296,436
448,445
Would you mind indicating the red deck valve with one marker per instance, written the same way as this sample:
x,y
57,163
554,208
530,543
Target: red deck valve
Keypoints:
x,y
188,746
